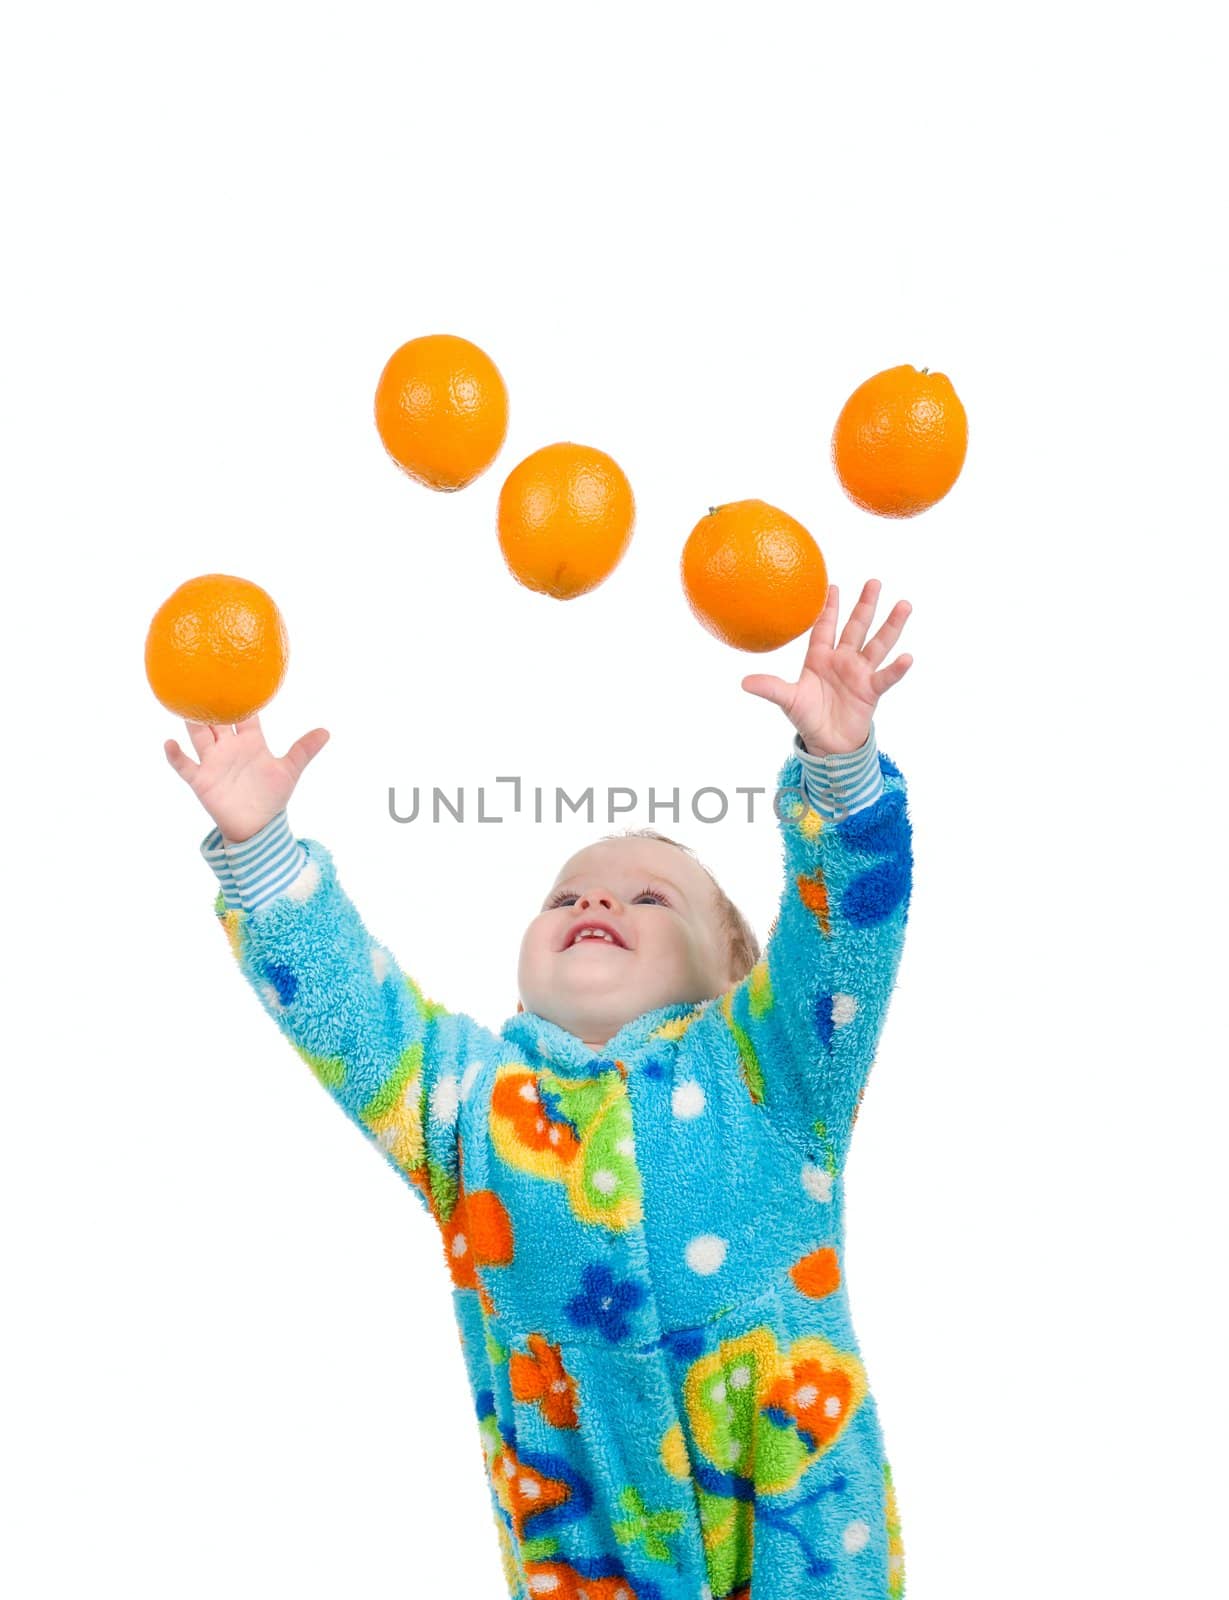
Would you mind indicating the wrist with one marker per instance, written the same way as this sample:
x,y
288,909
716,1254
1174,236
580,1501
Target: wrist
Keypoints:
x,y
242,829
257,869
813,745
244,833
838,783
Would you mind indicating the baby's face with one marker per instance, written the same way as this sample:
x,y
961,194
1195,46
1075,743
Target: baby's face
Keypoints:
x,y
666,943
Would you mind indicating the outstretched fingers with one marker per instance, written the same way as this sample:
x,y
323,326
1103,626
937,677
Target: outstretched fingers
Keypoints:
x,y
883,680
203,736
305,749
770,688
183,764
854,633
824,631
888,634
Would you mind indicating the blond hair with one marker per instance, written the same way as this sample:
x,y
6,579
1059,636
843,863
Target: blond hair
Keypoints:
x,y
743,946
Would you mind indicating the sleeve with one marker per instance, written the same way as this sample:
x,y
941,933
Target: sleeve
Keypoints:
x,y
808,1017
393,1060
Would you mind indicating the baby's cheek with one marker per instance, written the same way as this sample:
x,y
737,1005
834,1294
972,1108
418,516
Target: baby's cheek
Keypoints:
x,y
706,963
539,966
528,962
673,958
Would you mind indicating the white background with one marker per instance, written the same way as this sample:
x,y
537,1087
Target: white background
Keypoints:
x,y
685,234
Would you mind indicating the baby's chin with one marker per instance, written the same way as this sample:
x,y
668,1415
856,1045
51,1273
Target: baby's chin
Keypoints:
x,y
598,1023
591,1002
595,997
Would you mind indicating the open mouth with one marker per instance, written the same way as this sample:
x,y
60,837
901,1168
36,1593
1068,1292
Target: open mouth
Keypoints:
x,y
594,935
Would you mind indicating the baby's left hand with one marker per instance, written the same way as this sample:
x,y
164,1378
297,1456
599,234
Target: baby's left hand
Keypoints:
x,y
839,687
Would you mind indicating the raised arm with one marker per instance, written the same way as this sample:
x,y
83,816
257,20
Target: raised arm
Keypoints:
x,y
393,1060
808,1018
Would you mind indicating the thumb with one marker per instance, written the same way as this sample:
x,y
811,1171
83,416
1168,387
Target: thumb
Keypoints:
x,y
304,750
183,765
767,687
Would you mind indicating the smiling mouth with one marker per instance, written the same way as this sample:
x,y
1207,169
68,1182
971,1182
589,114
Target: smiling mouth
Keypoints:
x,y
595,936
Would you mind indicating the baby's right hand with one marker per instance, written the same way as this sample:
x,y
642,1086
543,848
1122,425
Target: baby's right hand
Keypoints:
x,y
238,780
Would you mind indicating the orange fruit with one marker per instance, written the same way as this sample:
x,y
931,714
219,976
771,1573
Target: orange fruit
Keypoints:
x,y
753,575
216,649
442,410
900,441
566,515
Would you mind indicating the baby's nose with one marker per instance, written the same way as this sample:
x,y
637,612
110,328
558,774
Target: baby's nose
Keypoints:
x,y
598,899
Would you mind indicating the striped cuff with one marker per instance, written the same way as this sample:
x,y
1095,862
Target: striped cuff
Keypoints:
x,y
259,869
839,785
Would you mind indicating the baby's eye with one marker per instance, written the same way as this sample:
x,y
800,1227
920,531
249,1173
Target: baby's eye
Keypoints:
x,y
563,896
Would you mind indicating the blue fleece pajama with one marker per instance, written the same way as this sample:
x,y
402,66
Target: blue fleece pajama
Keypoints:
x,y
645,1243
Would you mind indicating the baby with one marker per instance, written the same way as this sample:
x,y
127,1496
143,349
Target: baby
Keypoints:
x,y
638,1178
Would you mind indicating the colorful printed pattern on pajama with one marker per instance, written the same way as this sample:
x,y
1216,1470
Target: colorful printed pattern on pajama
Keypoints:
x,y
645,1246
